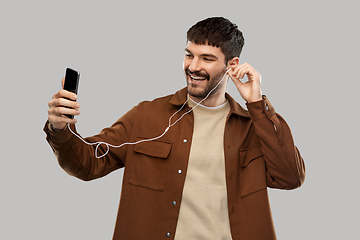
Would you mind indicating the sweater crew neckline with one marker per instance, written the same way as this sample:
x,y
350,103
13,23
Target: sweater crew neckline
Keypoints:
x,y
221,109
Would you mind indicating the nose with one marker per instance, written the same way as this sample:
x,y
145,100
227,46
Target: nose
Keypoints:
x,y
195,65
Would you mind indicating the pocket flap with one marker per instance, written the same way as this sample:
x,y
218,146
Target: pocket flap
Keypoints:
x,y
249,154
155,148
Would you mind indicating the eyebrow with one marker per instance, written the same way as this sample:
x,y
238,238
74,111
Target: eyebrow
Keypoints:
x,y
202,55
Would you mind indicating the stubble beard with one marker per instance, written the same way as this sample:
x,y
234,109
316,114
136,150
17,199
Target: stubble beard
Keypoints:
x,y
200,91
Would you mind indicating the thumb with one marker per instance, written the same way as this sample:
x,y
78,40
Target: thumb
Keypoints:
x,y
63,82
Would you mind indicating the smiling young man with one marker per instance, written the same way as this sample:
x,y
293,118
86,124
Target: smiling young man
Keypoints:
x,y
207,177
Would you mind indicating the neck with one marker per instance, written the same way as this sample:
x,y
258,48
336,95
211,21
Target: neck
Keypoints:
x,y
213,100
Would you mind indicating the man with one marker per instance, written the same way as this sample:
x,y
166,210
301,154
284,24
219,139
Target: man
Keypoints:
x,y
207,176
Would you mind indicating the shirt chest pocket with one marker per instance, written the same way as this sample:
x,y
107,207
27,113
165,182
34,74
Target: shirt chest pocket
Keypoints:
x,y
253,171
150,164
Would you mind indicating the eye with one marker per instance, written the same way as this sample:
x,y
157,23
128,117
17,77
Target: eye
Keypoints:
x,y
188,55
209,59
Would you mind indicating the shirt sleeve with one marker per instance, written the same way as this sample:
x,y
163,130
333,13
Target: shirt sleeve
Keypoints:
x,y
78,159
284,164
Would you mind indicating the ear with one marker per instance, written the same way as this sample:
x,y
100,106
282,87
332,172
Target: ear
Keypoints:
x,y
233,62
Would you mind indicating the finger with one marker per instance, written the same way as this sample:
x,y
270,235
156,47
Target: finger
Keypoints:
x,y
65,111
248,70
65,94
235,71
235,79
239,71
243,70
63,106
66,103
57,115
251,73
59,121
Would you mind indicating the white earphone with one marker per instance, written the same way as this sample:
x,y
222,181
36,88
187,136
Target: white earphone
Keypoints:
x,y
108,145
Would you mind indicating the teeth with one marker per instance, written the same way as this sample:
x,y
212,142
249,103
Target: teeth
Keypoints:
x,y
197,78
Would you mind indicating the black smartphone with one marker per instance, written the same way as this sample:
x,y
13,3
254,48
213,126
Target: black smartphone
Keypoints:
x,y
71,83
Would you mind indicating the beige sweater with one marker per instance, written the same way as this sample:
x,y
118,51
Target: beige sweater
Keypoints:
x,y
204,209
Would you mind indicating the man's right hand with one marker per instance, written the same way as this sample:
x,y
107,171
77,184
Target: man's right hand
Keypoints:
x,y
60,105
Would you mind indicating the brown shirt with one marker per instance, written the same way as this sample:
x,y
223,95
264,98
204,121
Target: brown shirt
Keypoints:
x,y
256,157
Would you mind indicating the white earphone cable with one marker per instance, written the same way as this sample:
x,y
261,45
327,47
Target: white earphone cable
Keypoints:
x,y
151,139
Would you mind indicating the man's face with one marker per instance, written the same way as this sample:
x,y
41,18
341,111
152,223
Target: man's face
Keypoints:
x,y
204,67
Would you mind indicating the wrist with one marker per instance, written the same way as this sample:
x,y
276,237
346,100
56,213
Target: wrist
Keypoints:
x,y
57,129
256,99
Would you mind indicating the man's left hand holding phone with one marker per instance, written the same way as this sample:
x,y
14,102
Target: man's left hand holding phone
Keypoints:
x,y
63,106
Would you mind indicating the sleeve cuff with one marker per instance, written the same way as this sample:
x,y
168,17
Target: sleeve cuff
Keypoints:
x,y
57,136
260,109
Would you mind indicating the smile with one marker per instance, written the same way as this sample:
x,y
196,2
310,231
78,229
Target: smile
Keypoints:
x,y
197,78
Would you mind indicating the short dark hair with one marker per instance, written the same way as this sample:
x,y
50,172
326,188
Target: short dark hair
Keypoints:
x,y
218,32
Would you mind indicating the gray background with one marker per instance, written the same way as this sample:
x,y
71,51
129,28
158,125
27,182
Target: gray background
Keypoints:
x,y
306,51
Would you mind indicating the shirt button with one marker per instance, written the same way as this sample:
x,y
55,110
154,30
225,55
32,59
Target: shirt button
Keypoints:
x,y
174,203
168,234
179,171
185,140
